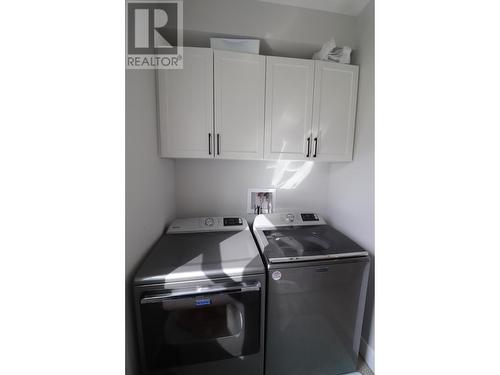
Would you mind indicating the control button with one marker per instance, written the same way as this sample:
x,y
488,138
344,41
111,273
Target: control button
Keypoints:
x,y
289,218
209,221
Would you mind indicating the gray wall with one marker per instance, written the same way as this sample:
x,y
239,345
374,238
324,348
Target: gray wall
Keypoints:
x,y
351,195
219,187
149,187
283,30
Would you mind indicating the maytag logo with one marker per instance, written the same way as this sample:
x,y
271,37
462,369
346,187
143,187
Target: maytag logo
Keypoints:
x,y
154,34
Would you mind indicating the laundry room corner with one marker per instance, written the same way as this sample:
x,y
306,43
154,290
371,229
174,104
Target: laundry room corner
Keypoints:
x,y
351,196
150,189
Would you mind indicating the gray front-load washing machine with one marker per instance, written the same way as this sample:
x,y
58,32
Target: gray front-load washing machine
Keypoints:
x,y
200,300
316,292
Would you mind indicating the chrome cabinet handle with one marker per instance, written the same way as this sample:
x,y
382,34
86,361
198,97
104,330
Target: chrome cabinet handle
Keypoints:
x,y
308,146
209,143
218,144
315,146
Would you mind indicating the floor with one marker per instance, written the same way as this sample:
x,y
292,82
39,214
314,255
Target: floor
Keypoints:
x,y
363,367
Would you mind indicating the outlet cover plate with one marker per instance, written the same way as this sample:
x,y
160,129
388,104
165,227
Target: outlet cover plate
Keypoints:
x,y
251,198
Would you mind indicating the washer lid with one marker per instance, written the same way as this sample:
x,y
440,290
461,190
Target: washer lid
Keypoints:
x,y
302,243
200,256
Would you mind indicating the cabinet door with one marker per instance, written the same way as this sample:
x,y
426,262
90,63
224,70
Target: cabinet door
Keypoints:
x,y
239,82
334,113
289,97
185,106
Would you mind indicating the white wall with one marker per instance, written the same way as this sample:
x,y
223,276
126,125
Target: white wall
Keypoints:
x,y
219,187
215,187
351,195
149,187
283,30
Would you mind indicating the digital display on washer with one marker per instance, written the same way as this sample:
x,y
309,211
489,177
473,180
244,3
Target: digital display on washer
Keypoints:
x,y
309,217
229,221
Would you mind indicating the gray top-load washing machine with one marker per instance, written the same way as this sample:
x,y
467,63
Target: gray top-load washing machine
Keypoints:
x,y
199,298
316,292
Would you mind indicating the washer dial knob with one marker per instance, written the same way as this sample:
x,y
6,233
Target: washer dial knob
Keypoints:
x,y
209,222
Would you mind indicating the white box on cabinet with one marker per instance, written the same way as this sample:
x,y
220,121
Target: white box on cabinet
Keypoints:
x,y
236,45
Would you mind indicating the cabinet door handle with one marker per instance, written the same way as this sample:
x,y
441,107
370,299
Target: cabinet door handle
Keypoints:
x,y
218,144
308,146
315,146
209,143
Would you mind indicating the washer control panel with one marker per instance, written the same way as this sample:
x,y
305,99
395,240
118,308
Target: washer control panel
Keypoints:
x,y
268,221
208,224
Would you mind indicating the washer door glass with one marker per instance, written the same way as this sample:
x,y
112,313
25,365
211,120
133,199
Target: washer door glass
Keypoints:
x,y
199,328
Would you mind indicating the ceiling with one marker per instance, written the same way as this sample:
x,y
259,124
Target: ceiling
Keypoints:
x,y
348,7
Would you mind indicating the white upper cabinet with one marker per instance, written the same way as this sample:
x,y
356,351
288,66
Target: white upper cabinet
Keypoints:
x,y
231,105
334,111
185,106
289,98
239,85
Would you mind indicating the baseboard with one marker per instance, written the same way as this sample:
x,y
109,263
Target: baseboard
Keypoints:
x,y
368,354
